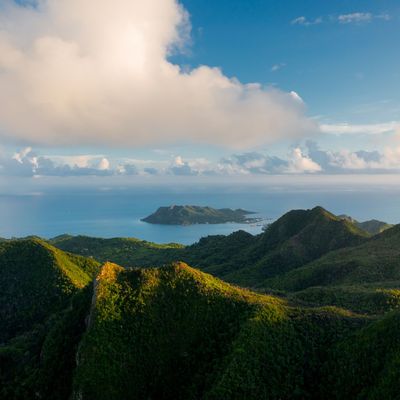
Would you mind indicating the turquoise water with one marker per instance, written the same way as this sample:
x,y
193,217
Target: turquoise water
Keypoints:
x,y
118,213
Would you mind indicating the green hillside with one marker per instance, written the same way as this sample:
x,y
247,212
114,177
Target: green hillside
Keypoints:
x,y
176,333
367,364
36,280
295,239
317,258
129,252
375,262
365,299
44,298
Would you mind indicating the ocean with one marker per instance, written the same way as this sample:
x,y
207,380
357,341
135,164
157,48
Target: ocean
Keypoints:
x,y
117,212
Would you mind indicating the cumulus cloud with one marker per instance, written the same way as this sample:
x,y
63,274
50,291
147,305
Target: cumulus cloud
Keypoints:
x,y
103,164
28,163
300,163
306,159
196,166
98,72
180,167
252,163
345,161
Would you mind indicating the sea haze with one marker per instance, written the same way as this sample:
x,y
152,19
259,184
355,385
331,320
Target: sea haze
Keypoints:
x,y
117,212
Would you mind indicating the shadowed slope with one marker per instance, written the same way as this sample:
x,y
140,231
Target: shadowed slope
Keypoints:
x,y
374,262
295,239
367,364
44,298
36,280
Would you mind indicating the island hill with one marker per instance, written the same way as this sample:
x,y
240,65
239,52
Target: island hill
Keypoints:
x,y
189,215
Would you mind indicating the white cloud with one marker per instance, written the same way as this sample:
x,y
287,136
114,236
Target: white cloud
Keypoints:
x,y
345,161
178,162
21,155
396,136
181,167
252,163
97,72
350,18
277,67
27,163
300,160
300,163
360,17
306,22
390,159
355,17
103,164
373,129
80,161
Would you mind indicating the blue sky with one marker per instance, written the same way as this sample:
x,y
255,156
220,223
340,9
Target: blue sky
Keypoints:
x,y
343,71
328,76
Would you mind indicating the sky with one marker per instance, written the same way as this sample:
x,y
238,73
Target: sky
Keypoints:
x,y
210,89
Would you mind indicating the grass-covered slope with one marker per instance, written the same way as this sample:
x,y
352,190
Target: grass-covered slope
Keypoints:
x,y
129,252
177,333
36,280
376,262
301,236
295,239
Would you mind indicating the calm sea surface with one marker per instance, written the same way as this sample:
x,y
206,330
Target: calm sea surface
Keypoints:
x,y
117,213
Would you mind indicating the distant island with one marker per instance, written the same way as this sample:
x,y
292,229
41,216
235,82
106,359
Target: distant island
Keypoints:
x,y
190,215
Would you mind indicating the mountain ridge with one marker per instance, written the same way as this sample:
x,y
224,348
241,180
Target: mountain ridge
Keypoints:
x,y
171,331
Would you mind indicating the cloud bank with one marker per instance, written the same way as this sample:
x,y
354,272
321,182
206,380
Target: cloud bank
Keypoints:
x,y
307,159
97,72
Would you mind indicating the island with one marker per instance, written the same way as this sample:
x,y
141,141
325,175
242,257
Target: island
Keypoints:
x,y
189,215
